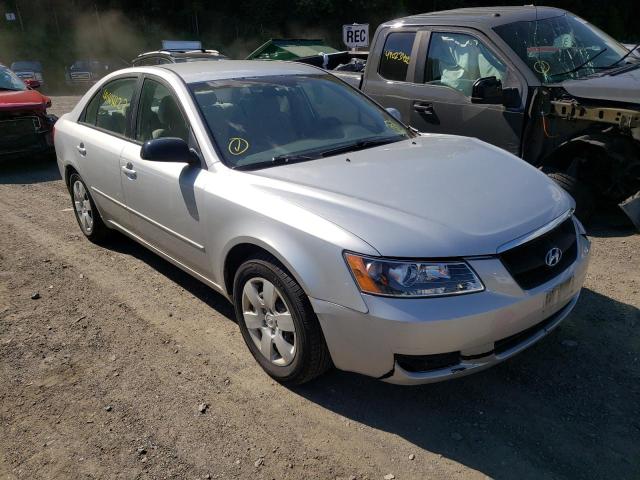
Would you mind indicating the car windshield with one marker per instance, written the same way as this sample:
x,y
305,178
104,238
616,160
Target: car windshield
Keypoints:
x,y
273,120
26,65
10,81
563,47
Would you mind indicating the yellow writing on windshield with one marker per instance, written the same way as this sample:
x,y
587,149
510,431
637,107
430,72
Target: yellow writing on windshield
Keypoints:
x,y
397,56
237,146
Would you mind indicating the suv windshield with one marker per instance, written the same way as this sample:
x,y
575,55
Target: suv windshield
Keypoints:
x,y
563,47
10,81
266,121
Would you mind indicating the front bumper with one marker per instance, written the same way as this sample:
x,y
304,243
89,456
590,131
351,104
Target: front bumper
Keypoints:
x,y
482,328
33,140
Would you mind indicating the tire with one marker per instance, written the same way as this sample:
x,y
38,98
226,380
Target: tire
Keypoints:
x,y
309,356
95,230
580,191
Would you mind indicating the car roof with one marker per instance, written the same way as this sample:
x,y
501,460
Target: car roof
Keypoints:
x,y
487,17
194,72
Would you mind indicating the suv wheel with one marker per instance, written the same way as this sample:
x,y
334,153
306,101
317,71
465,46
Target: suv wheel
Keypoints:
x,y
580,191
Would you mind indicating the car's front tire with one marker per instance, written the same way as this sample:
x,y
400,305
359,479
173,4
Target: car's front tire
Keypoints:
x,y
85,210
278,323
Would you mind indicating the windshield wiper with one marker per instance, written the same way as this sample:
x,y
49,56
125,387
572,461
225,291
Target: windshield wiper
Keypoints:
x,y
582,65
275,161
11,89
360,145
625,56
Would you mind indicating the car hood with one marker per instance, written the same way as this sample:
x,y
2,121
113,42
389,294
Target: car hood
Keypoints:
x,y
621,87
22,100
433,196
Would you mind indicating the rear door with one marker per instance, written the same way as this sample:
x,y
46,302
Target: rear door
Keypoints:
x,y
386,79
448,62
100,137
164,198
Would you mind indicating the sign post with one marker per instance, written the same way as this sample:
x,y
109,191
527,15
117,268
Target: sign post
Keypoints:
x,y
355,35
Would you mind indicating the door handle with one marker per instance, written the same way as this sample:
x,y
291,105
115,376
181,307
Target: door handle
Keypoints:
x,y
81,150
426,108
129,171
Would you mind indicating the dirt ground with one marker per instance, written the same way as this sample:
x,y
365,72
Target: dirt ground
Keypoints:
x,y
103,375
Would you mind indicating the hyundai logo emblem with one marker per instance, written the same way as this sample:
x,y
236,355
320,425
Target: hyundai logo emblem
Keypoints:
x,y
553,256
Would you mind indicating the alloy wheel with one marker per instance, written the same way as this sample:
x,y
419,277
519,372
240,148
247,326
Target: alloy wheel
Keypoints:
x,y
82,205
269,322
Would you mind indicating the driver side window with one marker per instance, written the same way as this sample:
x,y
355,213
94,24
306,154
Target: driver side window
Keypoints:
x,y
159,115
458,60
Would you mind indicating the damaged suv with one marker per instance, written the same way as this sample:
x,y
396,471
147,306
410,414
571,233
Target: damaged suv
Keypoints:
x,y
538,82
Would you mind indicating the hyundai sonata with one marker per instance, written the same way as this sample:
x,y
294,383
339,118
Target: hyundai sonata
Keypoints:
x,y
340,235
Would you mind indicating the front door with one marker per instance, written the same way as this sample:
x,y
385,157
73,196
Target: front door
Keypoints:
x,y
441,91
164,198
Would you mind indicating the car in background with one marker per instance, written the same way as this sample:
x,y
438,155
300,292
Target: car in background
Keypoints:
x,y
29,70
86,72
161,57
340,235
25,126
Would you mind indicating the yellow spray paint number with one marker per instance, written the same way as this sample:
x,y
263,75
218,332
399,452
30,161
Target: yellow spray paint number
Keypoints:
x,y
237,146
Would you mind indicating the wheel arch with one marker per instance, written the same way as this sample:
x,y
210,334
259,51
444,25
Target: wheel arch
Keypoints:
x,y
246,248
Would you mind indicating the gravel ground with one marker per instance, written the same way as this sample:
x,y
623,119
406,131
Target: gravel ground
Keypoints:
x,y
105,371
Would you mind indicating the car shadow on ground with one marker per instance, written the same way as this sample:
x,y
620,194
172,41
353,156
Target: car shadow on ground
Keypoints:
x,y
122,244
26,170
565,408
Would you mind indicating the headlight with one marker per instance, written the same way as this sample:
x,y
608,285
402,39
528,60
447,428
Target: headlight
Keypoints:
x,y
412,279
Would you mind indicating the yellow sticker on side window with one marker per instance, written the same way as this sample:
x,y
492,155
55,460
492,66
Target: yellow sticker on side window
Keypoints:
x,y
237,146
397,56
113,100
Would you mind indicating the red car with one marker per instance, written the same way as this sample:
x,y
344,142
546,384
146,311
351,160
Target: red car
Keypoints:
x,y
25,126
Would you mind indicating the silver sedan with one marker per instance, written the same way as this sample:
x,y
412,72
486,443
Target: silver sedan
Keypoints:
x,y
341,236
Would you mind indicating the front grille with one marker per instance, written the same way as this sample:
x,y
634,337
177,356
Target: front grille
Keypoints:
x,y
18,133
526,263
80,76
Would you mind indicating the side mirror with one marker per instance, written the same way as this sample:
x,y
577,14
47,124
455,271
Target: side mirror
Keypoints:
x,y
32,83
395,113
169,149
487,90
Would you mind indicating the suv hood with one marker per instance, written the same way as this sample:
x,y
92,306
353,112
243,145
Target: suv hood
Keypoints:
x,y
433,196
620,87
22,100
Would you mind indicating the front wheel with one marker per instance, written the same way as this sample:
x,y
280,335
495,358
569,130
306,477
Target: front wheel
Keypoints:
x,y
278,323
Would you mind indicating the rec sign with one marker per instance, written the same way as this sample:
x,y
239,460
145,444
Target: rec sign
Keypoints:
x,y
356,35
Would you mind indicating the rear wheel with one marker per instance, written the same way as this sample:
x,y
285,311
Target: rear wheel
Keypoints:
x,y
278,323
580,191
85,210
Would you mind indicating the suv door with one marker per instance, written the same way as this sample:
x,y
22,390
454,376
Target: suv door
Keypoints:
x,y
386,78
102,135
449,61
163,197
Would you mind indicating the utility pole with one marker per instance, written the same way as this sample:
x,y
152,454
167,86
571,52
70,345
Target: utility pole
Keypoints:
x,y
19,17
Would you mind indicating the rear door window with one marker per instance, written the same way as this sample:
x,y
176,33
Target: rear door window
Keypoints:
x,y
396,56
110,109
